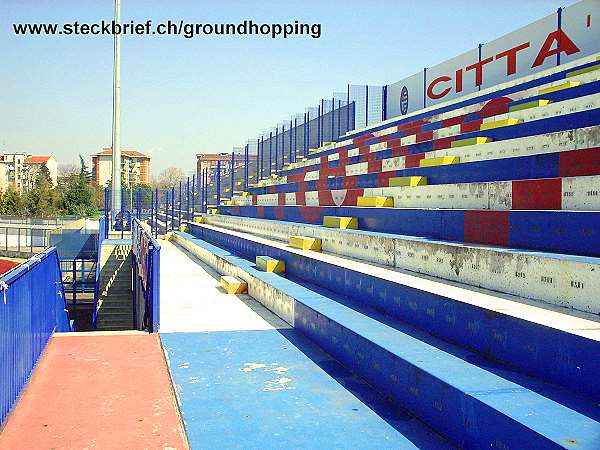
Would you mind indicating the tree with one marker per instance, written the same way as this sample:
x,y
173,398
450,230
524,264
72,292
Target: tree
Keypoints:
x,y
84,172
41,199
78,196
170,177
66,170
11,203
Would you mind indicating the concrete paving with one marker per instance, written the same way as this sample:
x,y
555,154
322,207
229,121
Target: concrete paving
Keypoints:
x,y
192,300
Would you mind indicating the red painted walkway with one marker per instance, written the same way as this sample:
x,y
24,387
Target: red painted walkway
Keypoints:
x,y
103,391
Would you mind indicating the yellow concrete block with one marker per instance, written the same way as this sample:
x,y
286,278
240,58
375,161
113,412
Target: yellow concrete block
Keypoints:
x,y
529,105
183,228
500,123
305,243
441,161
232,285
340,222
375,202
269,264
199,220
470,141
407,181
560,87
589,69
214,211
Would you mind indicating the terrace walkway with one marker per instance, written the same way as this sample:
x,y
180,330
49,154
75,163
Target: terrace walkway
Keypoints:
x,y
97,390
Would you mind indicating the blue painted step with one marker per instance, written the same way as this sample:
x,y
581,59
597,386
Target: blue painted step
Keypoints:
x,y
557,356
473,407
231,395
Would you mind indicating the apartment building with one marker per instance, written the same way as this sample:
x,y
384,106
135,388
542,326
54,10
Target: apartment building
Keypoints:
x,y
20,170
135,167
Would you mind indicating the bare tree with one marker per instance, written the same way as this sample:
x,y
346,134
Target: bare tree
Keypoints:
x,y
169,177
67,169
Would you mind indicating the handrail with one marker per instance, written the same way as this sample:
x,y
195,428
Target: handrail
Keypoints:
x,y
32,308
147,283
101,237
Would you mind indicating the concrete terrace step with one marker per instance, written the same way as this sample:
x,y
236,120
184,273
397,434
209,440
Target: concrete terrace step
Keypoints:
x,y
561,280
480,320
572,232
472,406
573,152
566,193
278,387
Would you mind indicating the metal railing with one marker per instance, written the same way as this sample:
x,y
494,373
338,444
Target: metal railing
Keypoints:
x,y
102,234
146,276
32,308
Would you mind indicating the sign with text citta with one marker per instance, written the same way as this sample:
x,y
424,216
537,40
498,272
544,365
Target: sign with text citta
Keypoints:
x,y
570,33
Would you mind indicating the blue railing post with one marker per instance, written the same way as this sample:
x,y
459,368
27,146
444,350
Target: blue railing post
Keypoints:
x,y
231,175
166,211
156,197
172,208
291,135
180,205
106,200
246,166
152,211
201,183
276,148
262,157
319,125
122,212
193,196
270,152
187,200
218,183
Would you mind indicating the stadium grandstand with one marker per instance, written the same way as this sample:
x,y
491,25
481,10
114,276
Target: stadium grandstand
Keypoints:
x,y
426,279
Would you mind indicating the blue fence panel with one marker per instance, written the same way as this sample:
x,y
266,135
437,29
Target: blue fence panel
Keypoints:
x,y
32,308
146,273
102,234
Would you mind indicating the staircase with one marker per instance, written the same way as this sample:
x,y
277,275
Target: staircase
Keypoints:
x,y
115,303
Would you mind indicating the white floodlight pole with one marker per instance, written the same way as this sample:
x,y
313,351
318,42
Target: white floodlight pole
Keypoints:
x,y
116,131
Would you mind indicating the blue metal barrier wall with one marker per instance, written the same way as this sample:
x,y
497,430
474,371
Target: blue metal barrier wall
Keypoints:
x,y
102,234
146,276
32,307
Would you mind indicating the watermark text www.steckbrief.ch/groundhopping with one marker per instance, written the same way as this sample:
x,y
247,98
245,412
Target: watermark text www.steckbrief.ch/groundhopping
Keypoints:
x,y
181,28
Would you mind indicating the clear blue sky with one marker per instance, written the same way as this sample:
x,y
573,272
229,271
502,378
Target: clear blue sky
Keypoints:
x,y
206,94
